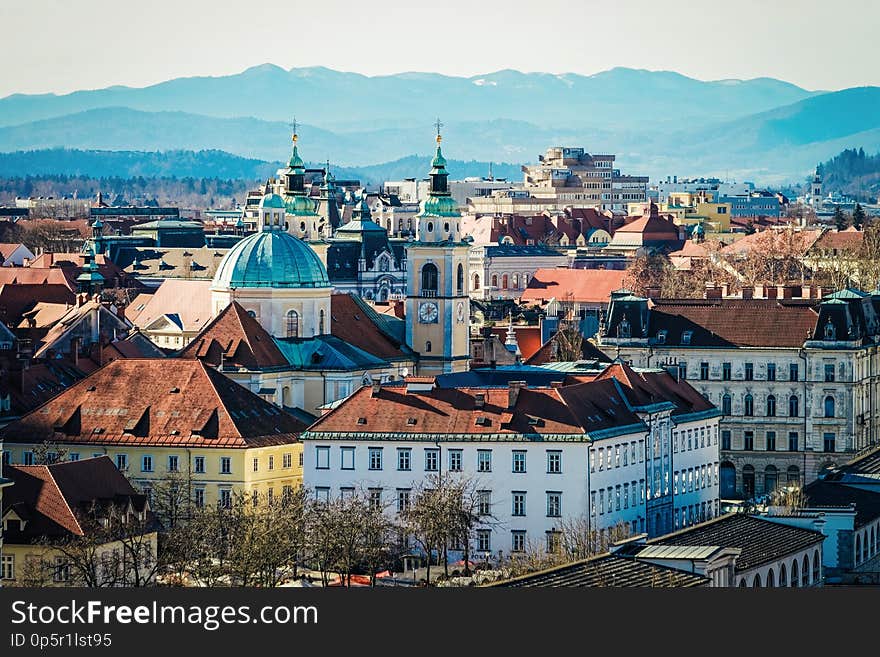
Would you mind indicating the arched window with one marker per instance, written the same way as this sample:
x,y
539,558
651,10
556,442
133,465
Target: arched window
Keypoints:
x,y
830,332
805,572
430,280
748,406
516,281
292,324
858,549
794,573
725,404
748,476
793,410
428,346
771,405
829,406
476,281
623,329
742,582
771,579
321,322
252,313
771,478
783,576
757,581
459,280
817,568
504,281
495,281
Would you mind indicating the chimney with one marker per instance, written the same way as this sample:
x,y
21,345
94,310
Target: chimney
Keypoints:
x,y
748,292
81,299
377,386
480,400
513,392
785,292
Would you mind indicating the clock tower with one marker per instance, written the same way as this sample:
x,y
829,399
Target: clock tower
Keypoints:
x,y
437,302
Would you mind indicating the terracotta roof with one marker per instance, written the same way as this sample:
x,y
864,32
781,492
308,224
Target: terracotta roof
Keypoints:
x,y
644,387
850,239
52,498
544,354
74,317
149,402
37,384
7,249
65,276
608,570
799,241
355,322
733,322
576,285
75,261
43,315
761,541
235,338
527,337
16,299
186,303
690,249
648,228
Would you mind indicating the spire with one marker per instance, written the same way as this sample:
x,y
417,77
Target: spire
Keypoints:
x,y
295,161
438,174
510,342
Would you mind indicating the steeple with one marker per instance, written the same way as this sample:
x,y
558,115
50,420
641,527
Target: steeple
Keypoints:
x,y
296,202
510,342
439,175
90,280
438,219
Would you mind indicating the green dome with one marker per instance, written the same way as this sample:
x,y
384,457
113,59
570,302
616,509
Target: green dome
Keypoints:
x,y
439,162
296,161
300,206
272,201
439,206
271,259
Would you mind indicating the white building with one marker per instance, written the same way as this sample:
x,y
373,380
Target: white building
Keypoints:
x,y
718,187
632,448
504,271
411,190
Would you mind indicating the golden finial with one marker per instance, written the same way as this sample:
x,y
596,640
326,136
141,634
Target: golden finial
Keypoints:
x,y
293,125
438,125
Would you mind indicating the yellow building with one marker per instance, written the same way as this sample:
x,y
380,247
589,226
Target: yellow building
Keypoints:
x,y
437,303
159,419
691,208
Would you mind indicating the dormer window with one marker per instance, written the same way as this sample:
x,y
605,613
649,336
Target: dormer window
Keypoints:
x,y
686,337
624,330
830,331
661,337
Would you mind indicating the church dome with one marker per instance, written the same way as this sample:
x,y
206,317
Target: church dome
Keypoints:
x,y
439,206
300,205
273,259
272,201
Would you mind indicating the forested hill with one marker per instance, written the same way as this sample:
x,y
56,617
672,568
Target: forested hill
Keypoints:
x,y
854,173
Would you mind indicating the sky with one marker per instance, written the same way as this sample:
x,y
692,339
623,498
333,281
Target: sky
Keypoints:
x,y
64,45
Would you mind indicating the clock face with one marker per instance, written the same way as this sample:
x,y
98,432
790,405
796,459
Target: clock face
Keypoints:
x,y
428,313
460,311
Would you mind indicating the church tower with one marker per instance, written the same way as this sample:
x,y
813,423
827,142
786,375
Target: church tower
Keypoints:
x,y
437,303
302,218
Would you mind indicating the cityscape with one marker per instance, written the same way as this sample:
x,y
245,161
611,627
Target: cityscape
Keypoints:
x,y
507,330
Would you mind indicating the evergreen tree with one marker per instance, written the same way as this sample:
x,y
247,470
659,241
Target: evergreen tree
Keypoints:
x,y
839,218
858,216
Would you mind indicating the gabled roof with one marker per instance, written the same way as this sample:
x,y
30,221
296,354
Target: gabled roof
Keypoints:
x,y
16,299
235,338
52,498
74,317
354,321
850,240
149,402
65,276
74,263
190,301
797,241
761,541
527,337
7,249
575,285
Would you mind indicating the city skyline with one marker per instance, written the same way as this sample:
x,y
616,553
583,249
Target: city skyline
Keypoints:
x,y
220,38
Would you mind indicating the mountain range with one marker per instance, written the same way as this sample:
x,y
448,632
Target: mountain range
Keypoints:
x,y
657,122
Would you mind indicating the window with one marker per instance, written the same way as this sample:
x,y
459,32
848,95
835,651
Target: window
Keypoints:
x,y
322,494
346,458
554,504
301,457
792,441
725,371
519,503
347,493
402,499
793,372
704,371
771,406
322,458
271,463
617,497
173,463
199,497
292,324
256,464
375,497
455,460
73,456
771,371
829,406
829,372
459,280
519,461
199,464
748,406
748,440
146,464
682,371
484,502
286,460
828,441
122,461
793,410
432,460
7,566
626,496
725,405
484,460
771,441
429,280
7,457
553,541
375,458
554,461
601,459
725,439
484,540
686,337
404,455
427,346
225,465
225,498
517,541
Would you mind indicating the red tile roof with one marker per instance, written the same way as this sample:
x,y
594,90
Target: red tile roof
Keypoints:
x,y
355,323
850,239
65,276
527,337
17,299
544,354
799,241
7,249
74,263
189,300
235,338
576,285
136,402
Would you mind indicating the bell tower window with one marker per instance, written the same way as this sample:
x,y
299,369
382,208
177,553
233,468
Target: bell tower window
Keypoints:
x,y
430,280
459,280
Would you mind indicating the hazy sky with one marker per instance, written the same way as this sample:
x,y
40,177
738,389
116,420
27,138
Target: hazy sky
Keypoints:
x,y
64,45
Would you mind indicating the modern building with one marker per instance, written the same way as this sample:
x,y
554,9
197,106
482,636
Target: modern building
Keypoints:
x,y
627,449
793,377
